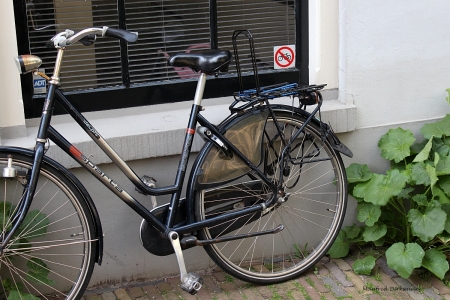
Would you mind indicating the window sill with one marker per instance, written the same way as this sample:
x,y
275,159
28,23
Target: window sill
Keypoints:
x,y
154,131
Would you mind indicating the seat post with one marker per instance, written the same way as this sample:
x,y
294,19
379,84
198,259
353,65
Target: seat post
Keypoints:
x,y
200,89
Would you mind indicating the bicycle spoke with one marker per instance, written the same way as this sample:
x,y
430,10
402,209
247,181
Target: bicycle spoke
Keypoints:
x,y
51,253
310,206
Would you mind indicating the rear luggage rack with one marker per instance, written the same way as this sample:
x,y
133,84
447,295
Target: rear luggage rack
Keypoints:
x,y
307,94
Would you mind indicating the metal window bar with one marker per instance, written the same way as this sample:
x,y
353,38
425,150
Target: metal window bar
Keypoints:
x,y
165,27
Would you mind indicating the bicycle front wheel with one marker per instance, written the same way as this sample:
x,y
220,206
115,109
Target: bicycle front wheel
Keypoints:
x,y
314,180
52,254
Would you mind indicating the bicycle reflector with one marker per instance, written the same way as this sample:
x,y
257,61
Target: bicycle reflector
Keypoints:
x,y
27,63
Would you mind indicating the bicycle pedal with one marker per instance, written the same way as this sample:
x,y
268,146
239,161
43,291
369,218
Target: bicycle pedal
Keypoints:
x,y
150,182
191,283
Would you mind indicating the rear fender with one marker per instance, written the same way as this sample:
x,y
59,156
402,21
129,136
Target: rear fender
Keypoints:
x,y
327,130
328,134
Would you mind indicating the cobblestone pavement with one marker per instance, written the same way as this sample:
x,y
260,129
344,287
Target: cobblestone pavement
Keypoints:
x,y
329,279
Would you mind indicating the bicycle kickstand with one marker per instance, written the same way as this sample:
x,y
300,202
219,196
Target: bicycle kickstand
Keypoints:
x,y
190,282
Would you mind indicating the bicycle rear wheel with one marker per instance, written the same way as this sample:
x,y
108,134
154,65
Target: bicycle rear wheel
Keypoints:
x,y
52,254
314,177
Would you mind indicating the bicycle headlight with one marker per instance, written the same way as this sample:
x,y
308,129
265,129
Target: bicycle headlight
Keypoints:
x,y
27,63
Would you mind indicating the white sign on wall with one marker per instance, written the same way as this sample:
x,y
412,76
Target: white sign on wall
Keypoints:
x,y
39,83
284,57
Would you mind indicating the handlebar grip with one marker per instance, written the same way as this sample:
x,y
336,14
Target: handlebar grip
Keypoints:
x,y
88,40
127,36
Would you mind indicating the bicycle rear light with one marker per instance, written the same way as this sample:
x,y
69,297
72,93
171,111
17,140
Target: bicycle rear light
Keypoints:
x,y
27,63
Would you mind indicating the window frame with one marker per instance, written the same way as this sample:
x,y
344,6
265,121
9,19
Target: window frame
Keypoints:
x,y
129,95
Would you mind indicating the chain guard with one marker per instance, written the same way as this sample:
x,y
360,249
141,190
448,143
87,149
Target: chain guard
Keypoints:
x,y
152,239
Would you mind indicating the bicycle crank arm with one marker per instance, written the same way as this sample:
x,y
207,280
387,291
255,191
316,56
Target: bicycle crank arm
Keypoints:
x,y
192,241
190,282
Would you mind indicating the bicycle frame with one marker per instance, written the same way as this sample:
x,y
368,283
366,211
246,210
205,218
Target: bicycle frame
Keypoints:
x,y
264,168
47,131
175,189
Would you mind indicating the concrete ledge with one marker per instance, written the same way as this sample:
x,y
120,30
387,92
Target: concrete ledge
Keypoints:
x,y
13,131
154,131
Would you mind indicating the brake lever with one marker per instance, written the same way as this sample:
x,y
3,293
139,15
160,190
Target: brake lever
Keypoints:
x,y
89,39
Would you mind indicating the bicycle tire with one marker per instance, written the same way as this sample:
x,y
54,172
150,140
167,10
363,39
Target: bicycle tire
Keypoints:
x,y
312,215
52,254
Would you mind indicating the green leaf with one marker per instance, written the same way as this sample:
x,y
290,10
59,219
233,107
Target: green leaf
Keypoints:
x,y
446,208
420,199
443,150
360,189
16,295
439,194
395,144
417,147
425,153
38,271
380,242
404,259
428,224
358,173
445,140
5,211
35,223
404,194
368,213
431,171
436,158
436,262
364,266
21,244
437,129
340,247
448,96
444,184
9,285
441,146
375,232
443,166
419,174
352,232
444,237
381,188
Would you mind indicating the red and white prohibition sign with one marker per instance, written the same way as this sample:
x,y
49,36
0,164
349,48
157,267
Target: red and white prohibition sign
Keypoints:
x,y
284,57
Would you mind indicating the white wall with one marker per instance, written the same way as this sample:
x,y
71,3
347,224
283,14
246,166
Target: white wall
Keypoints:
x,y
396,59
324,42
11,112
394,65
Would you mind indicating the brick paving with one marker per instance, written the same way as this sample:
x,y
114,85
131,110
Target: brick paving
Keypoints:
x,y
329,279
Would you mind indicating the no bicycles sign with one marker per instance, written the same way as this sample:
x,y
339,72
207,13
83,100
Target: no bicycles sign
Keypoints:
x,y
284,57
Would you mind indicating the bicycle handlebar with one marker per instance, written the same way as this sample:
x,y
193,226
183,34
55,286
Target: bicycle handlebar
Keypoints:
x,y
127,36
88,36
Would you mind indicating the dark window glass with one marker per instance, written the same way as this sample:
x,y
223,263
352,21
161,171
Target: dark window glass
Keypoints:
x,y
165,27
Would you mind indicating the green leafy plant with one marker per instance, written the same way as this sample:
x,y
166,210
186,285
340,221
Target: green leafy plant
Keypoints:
x,y
37,223
407,209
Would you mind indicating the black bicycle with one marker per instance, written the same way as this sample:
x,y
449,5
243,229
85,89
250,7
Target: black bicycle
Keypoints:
x,y
266,195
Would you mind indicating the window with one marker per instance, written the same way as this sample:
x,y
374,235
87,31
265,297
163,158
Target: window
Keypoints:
x,y
111,74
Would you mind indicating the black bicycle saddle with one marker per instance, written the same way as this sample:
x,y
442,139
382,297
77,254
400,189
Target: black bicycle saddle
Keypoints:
x,y
206,61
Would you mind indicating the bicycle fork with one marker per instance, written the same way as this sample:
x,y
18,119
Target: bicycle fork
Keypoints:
x,y
27,197
39,151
